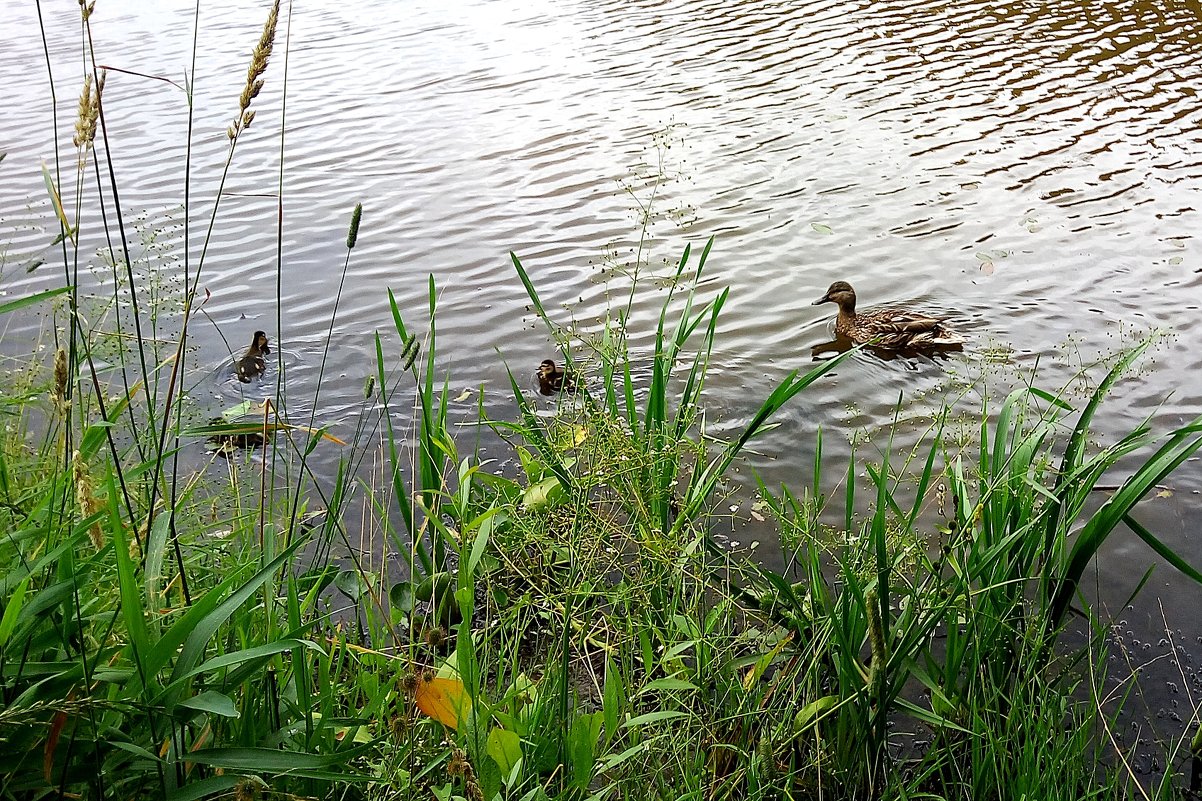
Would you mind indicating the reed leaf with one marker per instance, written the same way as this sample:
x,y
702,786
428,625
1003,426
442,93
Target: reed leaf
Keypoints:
x,y
1181,444
35,298
704,481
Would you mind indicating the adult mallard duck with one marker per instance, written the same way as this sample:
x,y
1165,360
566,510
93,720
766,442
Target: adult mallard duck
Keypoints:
x,y
552,379
252,365
897,329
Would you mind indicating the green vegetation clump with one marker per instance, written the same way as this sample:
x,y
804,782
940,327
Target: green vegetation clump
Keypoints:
x,y
563,624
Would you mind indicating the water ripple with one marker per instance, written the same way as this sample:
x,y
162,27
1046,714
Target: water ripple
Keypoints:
x,y
1031,168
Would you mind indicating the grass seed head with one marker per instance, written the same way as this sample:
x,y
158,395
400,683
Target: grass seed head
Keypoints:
x,y
353,234
436,637
88,503
89,113
460,766
254,73
61,377
876,640
398,727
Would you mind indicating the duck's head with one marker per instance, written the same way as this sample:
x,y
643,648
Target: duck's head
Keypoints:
x,y
547,368
260,341
840,293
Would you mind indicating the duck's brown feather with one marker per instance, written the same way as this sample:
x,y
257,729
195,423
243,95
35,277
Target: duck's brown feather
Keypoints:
x,y
888,328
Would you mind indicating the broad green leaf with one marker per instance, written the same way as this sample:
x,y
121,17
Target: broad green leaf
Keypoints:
x,y
352,584
583,747
400,597
612,698
505,748
811,711
215,787
202,631
212,702
544,492
156,548
236,658
273,760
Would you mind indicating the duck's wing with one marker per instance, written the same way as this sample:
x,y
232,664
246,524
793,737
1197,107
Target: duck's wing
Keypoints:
x,y
902,322
899,329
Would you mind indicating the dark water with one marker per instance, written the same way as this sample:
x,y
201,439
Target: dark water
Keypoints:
x,y
1031,168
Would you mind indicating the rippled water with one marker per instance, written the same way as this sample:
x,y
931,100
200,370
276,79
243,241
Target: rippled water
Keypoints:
x,y
1031,168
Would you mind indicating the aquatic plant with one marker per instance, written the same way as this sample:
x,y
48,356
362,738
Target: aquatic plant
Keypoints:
x,y
564,624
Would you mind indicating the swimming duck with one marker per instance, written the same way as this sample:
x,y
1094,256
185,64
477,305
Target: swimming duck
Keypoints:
x,y
252,365
552,379
887,328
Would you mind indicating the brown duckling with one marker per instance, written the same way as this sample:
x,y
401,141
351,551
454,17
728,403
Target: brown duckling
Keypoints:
x,y
252,365
552,379
897,329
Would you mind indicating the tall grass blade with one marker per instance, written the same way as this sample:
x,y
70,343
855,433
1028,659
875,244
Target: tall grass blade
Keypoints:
x,y
30,300
530,290
1075,449
704,481
1182,444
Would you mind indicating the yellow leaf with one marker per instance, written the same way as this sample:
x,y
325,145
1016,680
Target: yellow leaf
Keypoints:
x,y
445,700
761,665
1165,493
324,434
57,203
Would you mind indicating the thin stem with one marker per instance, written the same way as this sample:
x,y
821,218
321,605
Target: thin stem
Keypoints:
x,y
129,268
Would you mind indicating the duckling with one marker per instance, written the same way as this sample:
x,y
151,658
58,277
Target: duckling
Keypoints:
x,y
887,328
252,365
552,379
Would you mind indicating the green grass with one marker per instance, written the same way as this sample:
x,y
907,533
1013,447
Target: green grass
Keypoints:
x,y
566,625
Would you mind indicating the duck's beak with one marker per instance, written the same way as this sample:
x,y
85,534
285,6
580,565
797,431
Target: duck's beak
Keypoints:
x,y
824,299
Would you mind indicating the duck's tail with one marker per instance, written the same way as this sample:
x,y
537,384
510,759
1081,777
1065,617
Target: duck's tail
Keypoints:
x,y
944,337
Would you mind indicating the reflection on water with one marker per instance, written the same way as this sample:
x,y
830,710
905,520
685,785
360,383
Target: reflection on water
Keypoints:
x,y
909,357
1034,168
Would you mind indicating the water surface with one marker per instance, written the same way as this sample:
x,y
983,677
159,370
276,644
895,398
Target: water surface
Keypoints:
x,y
1031,168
